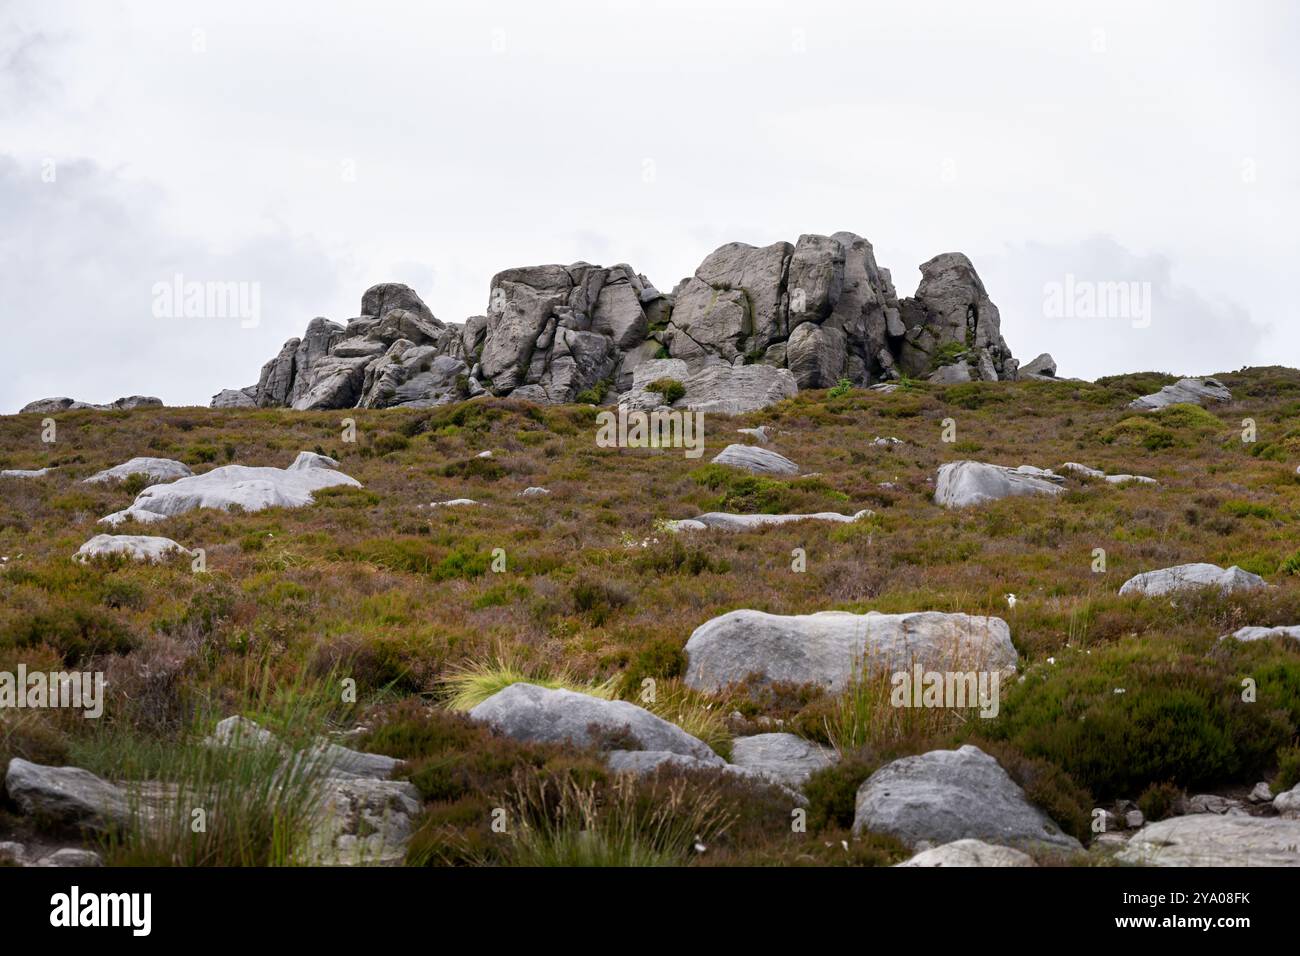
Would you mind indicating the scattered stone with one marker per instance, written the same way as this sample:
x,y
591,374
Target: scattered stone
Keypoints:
x,y
28,473
137,547
831,647
948,795
533,492
761,461
1186,577
1261,793
1134,819
528,712
1264,633
1042,367
72,856
1193,391
732,522
66,796
1079,469
759,433
1287,803
970,853
782,758
235,398
964,483
453,503
155,469
886,442
1211,840
1212,803
250,488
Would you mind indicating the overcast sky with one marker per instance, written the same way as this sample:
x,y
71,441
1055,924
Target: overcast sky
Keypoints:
x,y
312,149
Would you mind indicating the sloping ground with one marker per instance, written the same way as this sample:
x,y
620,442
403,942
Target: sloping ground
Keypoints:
x,y
371,585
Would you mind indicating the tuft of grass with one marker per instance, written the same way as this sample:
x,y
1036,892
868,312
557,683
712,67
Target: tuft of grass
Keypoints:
x,y
473,681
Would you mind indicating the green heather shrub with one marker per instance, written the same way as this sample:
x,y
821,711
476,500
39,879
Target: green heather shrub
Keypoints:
x,y
841,388
669,388
1158,801
1288,768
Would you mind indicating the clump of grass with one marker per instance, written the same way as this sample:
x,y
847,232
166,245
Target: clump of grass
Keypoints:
x,y
1288,769
1160,800
471,682
669,388
627,822
700,715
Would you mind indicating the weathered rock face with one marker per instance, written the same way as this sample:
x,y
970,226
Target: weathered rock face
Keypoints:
x,y
529,712
831,647
749,328
1195,391
964,483
948,795
1211,840
1185,577
951,316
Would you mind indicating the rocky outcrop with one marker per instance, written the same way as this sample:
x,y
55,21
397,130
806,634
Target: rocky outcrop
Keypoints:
x,y
830,648
749,328
250,488
48,406
1213,840
1124,479
154,469
1186,577
964,483
528,712
947,795
1194,391
726,521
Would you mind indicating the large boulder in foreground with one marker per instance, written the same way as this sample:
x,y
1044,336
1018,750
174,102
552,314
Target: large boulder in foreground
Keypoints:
x,y
528,712
947,795
157,470
1207,839
829,648
250,488
1186,577
1193,391
970,853
137,547
964,483
66,796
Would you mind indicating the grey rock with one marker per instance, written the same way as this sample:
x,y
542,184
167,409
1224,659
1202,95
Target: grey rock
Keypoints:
x,y
1287,803
726,521
737,390
1264,633
1186,577
155,469
49,406
134,546
964,483
1212,840
1078,469
762,461
1194,391
235,398
1212,803
948,795
363,822
250,488
970,853
71,856
1261,793
759,434
816,355
12,854
66,796
951,307
1134,819
379,300
529,712
783,758
1042,367
954,374
25,473
830,648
